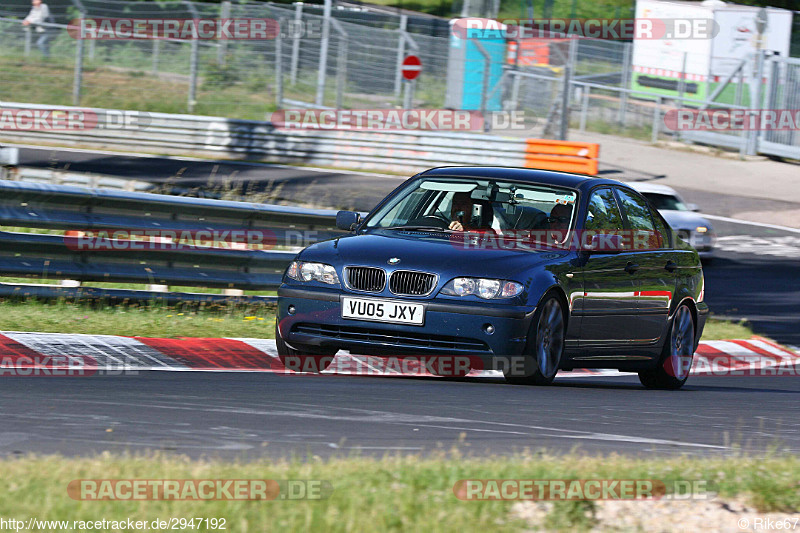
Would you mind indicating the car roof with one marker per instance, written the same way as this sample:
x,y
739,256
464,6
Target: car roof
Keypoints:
x,y
644,186
549,177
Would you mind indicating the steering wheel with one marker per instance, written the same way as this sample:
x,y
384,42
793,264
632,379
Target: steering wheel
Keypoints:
x,y
436,221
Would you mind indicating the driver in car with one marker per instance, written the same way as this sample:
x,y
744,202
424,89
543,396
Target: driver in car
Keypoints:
x,y
558,220
469,214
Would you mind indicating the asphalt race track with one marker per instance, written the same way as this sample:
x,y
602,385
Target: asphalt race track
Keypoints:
x,y
254,414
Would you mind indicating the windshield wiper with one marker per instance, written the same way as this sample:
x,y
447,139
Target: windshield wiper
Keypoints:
x,y
416,228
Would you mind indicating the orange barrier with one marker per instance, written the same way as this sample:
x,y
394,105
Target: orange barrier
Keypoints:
x,y
562,155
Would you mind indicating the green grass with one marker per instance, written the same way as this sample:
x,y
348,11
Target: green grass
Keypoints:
x,y
190,321
716,330
407,493
144,320
50,82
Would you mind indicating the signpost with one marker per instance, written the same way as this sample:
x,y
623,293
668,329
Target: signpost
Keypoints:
x,y
411,69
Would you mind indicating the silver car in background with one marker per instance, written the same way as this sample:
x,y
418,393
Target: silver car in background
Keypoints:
x,y
689,225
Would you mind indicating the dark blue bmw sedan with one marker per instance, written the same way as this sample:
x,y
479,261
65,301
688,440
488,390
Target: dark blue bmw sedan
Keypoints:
x,y
527,271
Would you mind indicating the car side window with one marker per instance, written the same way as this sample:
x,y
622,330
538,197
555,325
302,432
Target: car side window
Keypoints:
x,y
603,213
637,211
662,229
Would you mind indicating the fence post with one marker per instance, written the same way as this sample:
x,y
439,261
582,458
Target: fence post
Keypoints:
x,y
515,90
341,62
682,80
298,22
193,76
27,30
323,53
192,60
565,92
656,121
222,44
755,103
401,48
78,78
156,49
278,70
626,72
585,107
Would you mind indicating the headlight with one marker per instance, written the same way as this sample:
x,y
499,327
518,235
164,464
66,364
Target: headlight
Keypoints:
x,y
487,289
701,229
302,271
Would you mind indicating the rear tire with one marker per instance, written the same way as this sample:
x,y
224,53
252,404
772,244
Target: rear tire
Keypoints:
x,y
545,346
313,360
676,357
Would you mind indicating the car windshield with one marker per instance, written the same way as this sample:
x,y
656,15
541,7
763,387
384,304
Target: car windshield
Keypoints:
x,y
461,204
665,202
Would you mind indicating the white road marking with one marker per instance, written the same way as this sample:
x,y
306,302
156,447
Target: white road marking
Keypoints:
x,y
751,223
786,246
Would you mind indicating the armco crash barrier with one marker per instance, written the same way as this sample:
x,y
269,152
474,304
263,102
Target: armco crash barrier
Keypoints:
x,y
562,155
399,151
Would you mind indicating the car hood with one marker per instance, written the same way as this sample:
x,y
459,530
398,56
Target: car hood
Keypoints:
x,y
687,220
446,253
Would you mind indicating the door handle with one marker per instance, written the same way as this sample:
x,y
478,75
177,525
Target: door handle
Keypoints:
x,y
630,268
670,266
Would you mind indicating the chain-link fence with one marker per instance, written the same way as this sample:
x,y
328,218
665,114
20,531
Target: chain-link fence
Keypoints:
x,y
356,66
236,78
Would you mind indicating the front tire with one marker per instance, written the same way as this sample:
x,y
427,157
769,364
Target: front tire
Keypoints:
x,y
545,346
307,360
676,357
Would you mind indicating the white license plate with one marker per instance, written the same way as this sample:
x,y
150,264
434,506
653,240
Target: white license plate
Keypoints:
x,y
383,311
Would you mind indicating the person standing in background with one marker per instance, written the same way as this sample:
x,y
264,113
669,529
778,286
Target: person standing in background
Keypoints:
x,y
39,14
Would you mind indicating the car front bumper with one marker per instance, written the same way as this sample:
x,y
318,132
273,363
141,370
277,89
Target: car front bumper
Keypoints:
x,y
450,327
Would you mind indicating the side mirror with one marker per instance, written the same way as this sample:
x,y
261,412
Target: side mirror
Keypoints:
x,y
604,243
693,207
347,220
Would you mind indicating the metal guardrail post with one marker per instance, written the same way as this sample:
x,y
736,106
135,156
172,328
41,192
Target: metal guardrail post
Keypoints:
x,y
78,77
401,49
298,22
222,46
323,54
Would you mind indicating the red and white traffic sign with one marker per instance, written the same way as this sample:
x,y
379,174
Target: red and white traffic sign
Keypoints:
x,y
412,66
